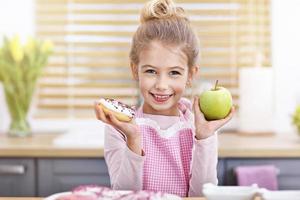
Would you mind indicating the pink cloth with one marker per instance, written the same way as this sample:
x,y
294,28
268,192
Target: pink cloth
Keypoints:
x,y
264,176
167,159
164,122
174,161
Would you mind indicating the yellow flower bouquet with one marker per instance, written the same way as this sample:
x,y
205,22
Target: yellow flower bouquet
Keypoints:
x,y
20,67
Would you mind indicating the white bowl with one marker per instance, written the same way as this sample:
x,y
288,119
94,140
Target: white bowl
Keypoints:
x,y
213,192
280,195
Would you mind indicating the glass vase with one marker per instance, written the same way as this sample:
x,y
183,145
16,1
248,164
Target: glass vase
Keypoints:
x,y
19,128
18,107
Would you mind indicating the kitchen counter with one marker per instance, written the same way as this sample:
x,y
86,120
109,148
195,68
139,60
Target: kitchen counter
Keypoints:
x,y
230,145
237,145
42,145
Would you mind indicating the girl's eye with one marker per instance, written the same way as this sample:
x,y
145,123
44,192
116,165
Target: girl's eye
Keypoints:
x,y
175,73
150,71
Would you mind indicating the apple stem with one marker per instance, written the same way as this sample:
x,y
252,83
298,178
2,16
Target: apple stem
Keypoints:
x,y
216,85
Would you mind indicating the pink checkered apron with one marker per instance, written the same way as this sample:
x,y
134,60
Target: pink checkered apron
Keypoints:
x,y
167,162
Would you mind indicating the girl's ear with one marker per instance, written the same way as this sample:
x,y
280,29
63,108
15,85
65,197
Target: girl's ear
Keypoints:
x,y
134,71
192,73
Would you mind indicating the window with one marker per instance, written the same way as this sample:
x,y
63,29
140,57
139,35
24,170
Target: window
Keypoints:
x,y
92,41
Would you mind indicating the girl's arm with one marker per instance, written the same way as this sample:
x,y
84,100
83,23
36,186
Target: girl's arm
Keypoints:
x,y
204,164
122,151
205,153
124,166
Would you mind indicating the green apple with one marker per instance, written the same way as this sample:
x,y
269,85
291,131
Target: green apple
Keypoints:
x,y
215,103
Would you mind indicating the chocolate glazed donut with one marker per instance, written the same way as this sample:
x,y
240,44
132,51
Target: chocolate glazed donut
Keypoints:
x,y
120,110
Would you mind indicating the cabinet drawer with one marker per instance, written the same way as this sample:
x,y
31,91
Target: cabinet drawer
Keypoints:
x,y
288,176
17,177
221,171
58,175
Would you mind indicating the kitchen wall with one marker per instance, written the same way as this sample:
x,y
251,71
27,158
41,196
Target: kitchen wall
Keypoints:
x,y
286,60
18,17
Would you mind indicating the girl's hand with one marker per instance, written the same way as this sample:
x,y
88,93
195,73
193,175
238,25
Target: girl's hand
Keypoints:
x,y
129,129
205,128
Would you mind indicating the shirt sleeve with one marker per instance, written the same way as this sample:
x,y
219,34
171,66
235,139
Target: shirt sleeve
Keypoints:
x,y
204,164
124,166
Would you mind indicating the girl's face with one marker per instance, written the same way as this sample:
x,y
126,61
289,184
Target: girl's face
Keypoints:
x,y
162,74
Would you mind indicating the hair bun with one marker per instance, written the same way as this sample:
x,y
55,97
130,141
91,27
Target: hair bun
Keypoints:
x,y
158,9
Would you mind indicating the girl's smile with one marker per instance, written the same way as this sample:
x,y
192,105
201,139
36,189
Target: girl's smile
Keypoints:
x,y
161,98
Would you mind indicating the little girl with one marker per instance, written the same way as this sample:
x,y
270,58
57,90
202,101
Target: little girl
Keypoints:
x,y
169,146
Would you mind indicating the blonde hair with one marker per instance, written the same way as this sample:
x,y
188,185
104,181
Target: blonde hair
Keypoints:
x,y
161,20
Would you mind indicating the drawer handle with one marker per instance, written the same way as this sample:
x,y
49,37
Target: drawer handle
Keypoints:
x,y
12,169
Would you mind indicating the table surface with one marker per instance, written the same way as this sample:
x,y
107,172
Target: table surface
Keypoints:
x,y
38,198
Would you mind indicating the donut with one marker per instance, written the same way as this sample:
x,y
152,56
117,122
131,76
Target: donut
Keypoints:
x,y
97,192
120,110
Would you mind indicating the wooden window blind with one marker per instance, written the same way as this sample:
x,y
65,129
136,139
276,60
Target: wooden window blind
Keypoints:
x,y
92,40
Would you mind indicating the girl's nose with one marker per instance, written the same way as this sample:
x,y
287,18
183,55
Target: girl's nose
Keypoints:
x,y
161,84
